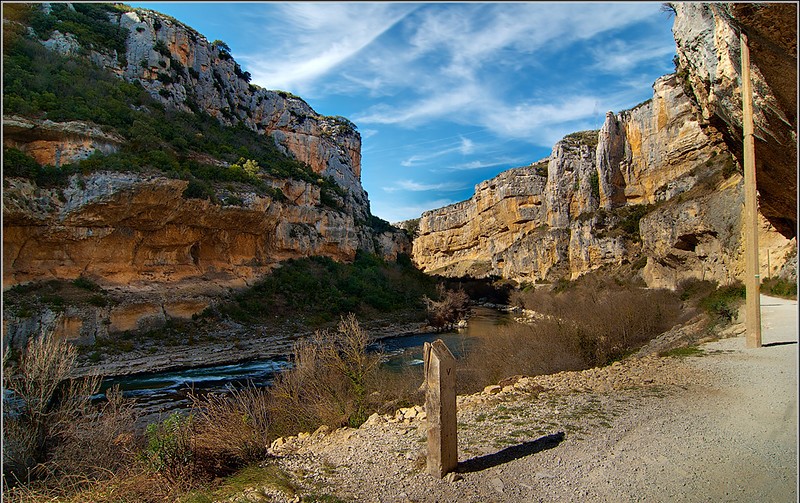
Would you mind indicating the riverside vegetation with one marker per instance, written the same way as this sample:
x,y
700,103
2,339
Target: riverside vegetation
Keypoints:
x,y
59,444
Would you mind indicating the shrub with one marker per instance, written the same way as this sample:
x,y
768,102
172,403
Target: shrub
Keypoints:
x,y
44,402
594,184
233,429
98,443
330,381
452,306
199,189
541,168
779,287
86,284
161,47
724,302
694,289
223,48
169,450
721,302
517,349
601,320
18,163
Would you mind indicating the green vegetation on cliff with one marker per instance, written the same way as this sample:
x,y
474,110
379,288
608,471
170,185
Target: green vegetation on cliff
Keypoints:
x,y
43,84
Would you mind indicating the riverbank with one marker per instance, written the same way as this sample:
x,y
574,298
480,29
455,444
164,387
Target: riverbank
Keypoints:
x,y
231,343
717,426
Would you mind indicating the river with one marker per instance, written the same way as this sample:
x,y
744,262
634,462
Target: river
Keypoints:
x,y
162,392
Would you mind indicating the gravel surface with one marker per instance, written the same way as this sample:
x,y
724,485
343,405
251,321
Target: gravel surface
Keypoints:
x,y
720,426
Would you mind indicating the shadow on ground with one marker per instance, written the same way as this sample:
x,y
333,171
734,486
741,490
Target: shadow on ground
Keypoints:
x,y
511,453
769,344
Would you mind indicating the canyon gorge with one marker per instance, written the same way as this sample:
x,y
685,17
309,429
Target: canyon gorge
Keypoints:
x,y
658,187
656,190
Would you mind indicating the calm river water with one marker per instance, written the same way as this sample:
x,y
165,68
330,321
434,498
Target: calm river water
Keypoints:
x,y
162,392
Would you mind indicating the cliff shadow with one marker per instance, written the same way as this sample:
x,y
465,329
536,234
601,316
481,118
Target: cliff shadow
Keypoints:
x,y
511,453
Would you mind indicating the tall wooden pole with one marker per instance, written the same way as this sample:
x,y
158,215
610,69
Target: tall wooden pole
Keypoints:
x,y
752,276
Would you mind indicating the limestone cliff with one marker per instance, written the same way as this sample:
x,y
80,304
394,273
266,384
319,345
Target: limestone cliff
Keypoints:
x,y
652,187
137,232
709,63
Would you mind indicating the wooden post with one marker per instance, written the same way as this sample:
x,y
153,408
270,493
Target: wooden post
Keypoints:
x,y
769,268
752,277
440,407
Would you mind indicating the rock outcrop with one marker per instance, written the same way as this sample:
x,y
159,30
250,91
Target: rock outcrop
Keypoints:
x,y
652,187
56,143
709,63
137,233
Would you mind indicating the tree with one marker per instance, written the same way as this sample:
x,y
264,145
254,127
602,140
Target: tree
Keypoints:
x,y
223,48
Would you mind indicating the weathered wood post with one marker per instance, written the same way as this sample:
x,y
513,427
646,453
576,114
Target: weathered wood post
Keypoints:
x,y
440,407
752,280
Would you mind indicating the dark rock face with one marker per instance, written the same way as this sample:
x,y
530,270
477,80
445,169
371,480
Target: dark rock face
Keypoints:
x,y
709,61
772,34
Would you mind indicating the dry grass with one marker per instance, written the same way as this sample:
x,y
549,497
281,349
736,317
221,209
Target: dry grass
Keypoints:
x,y
590,323
55,441
331,378
233,429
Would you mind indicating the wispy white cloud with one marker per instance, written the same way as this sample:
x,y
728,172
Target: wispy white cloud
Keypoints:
x,y
481,164
620,56
434,105
464,147
399,212
368,133
314,38
457,45
414,186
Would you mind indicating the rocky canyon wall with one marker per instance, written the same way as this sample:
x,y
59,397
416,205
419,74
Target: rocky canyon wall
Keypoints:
x,y
659,185
654,188
136,233
709,63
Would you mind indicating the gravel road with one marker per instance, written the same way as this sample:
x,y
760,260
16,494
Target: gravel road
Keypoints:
x,y
720,426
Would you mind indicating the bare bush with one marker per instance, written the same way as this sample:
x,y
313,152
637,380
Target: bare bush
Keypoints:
x,y
98,443
43,406
332,376
233,429
590,323
516,349
452,306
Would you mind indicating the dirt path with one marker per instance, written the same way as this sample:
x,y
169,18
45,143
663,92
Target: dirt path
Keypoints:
x,y
716,427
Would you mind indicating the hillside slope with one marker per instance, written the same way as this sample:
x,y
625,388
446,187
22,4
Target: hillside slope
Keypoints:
x,y
139,157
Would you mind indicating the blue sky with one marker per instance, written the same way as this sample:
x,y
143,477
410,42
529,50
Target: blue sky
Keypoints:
x,y
446,95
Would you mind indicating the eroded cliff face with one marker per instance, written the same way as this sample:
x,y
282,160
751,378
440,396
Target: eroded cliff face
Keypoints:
x,y
166,256
135,234
709,64
653,187
56,143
